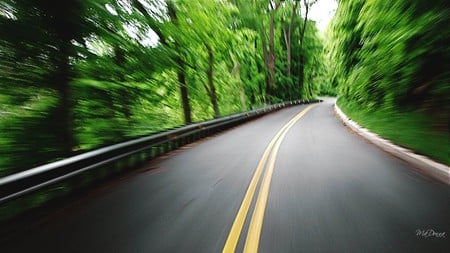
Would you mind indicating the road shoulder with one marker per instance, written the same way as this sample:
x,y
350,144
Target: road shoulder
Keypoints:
x,y
427,166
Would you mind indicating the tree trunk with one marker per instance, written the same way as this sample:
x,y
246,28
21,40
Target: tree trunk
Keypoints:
x,y
125,97
212,89
266,63
181,70
236,73
181,73
63,17
271,56
288,40
301,74
63,119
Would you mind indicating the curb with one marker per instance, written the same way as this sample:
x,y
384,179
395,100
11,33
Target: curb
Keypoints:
x,y
436,170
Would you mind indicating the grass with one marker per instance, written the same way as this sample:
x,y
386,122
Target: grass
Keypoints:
x,y
410,129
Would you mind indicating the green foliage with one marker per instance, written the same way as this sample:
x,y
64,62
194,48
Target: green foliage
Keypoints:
x,y
77,75
394,54
392,69
419,134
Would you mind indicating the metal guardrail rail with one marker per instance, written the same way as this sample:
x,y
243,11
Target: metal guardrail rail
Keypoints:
x,y
21,183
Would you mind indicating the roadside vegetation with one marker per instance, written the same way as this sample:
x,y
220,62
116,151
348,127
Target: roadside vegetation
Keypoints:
x,y
77,75
391,64
411,129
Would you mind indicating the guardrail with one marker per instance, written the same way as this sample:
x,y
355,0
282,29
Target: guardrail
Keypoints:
x,y
27,181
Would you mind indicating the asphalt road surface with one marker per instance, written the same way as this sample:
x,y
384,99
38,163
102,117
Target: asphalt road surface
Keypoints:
x,y
291,181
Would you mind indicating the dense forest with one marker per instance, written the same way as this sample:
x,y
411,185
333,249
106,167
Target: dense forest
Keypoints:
x,y
79,74
76,75
391,66
377,44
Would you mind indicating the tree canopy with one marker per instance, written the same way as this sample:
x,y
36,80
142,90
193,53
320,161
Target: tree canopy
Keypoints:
x,y
80,74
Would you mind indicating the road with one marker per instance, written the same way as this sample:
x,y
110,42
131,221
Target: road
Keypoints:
x,y
320,188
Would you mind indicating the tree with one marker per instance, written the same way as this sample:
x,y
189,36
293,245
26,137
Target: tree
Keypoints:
x,y
393,55
287,33
78,75
307,5
39,40
179,54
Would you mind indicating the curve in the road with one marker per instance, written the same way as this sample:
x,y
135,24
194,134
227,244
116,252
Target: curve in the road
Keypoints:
x,y
254,232
330,191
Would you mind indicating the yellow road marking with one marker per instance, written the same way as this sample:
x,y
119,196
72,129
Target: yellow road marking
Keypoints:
x,y
238,223
254,231
236,228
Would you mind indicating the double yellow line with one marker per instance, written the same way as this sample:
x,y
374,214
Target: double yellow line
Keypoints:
x,y
254,231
